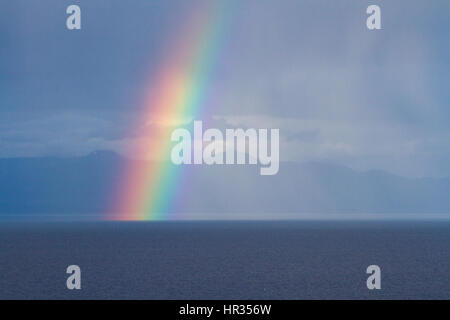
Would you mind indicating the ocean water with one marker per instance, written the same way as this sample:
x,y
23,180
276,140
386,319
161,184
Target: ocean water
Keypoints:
x,y
225,260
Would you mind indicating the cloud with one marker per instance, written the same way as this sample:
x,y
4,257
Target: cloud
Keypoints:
x,y
362,146
65,133
336,91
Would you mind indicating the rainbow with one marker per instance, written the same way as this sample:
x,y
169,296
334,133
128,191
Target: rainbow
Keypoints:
x,y
176,95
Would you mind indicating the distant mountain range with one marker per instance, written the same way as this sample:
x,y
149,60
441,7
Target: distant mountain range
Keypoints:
x,y
86,187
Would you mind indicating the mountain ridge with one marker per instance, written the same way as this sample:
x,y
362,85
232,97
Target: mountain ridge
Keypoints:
x,y
91,184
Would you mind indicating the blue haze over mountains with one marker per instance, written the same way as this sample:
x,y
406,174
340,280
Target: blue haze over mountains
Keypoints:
x,y
85,187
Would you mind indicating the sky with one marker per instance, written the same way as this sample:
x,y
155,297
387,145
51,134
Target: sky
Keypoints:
x,y
338,92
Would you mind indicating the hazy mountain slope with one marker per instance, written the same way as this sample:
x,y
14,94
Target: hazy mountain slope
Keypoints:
x,y
89,185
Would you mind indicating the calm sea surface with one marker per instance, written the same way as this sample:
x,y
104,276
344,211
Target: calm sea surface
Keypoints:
x,y
225,260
